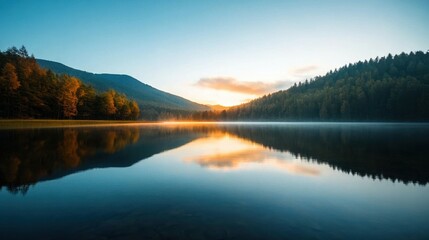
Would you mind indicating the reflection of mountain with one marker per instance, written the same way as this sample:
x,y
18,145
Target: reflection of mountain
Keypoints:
x,y
396,152
29,156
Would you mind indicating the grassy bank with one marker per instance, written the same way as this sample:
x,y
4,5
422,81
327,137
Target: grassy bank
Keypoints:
x,y
45,123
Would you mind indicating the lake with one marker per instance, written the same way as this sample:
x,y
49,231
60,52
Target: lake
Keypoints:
x,y
216,181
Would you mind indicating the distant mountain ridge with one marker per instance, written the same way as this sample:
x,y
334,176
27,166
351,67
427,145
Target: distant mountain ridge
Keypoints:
x,y
218,107
144,94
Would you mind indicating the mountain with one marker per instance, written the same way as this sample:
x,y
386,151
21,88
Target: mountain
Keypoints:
x,y
144,94
218,107
392,88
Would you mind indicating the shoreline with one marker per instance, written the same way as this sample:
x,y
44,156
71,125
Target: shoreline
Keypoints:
x,y
53,123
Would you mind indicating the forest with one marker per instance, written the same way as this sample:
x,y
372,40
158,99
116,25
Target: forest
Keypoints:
x,y
28,91
392,88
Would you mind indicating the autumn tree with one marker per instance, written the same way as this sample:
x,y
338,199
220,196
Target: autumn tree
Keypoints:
x,y
9,78
86,105
29,91
9,84
108,103
121,106
68,96
135,110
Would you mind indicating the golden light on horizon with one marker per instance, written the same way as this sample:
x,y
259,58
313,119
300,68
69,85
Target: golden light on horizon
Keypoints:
x,y
229,91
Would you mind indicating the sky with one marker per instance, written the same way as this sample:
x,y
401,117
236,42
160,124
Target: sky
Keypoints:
x,y
214,52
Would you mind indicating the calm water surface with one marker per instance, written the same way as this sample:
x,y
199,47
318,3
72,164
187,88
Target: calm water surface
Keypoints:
x,y
216,181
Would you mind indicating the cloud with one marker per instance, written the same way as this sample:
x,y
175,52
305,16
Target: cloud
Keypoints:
x,y
304,70
233,85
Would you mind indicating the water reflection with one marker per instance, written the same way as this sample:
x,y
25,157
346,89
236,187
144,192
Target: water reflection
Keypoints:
x,y
31,155
392,151
384,151
228,152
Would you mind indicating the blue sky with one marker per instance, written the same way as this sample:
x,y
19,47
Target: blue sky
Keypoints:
x,y
214,52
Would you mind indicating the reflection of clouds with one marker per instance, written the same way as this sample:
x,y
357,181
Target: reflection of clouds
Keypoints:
x,y
237,154
296,168
228,160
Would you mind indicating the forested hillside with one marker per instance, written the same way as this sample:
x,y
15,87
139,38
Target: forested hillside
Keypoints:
x,y
29,91
154,101
392,88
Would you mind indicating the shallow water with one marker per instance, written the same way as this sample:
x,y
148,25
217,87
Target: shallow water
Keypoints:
x,y
216,181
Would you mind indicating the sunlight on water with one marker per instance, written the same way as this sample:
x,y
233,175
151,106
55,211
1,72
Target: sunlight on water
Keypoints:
x,y
226,152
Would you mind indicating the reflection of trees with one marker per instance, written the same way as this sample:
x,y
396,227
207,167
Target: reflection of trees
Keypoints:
x,y
397,153
68,148
28,156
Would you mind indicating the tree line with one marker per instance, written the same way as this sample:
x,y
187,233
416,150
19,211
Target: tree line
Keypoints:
x,y
391,88
397,153
29,91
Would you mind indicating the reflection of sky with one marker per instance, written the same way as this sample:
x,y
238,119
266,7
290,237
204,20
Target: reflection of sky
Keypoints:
x,y
254,194
226,152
